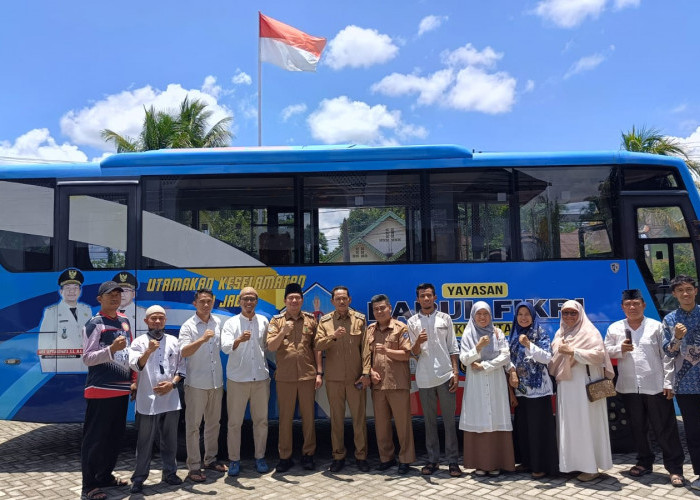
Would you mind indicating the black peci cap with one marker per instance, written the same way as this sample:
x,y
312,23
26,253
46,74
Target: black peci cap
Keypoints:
x,y
632,294
293,288
126,280
71,277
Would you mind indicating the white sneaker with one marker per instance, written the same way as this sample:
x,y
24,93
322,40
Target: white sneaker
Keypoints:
x,y
695,484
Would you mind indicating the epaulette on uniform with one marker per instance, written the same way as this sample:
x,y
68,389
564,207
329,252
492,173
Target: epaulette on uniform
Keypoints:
x,y
359,315
325,317
310,315
277,316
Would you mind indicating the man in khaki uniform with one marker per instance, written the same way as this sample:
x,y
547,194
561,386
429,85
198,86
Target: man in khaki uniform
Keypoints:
x,y
299,373
341,335
391,383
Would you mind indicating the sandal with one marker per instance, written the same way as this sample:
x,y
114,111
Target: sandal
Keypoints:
x,y
196,476
677,480
538,475
95,494
455,471
429,469
638,471
479,473
216,467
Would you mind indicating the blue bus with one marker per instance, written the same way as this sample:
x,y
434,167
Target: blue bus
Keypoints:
x,y
498,227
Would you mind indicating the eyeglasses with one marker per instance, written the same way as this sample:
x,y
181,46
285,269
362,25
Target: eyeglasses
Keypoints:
x,y
684,290
249,299
569,313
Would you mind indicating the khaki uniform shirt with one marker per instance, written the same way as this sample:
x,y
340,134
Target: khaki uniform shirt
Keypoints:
x,y
295,356
394,374
347,357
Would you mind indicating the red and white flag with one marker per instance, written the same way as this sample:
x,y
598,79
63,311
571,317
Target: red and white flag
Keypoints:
x,y
287,47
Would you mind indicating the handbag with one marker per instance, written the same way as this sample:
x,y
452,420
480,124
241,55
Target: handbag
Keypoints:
x,y
599,389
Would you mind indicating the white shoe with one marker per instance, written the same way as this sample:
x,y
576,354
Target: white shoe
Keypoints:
x,y
695,484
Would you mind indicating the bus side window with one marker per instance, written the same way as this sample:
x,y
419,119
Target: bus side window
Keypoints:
x,y
218,221
26,226
470,216
565,213
362,217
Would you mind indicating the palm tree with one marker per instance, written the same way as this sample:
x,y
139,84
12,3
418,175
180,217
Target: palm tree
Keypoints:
x,y
161,130
650,140
191,127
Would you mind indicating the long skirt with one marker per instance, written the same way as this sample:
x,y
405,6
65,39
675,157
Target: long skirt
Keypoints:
x,y
535,435
489,450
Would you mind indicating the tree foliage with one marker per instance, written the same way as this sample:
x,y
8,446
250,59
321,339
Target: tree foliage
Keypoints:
x,y
186,129
650,140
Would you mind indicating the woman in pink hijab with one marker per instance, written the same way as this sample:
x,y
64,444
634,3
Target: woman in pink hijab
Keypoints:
x,y
582,426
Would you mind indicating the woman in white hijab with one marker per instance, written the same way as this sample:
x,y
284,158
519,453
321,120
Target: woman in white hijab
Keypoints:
x,y
485,418
582,426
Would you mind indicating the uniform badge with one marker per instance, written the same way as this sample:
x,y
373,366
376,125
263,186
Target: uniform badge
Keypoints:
x,y
125,327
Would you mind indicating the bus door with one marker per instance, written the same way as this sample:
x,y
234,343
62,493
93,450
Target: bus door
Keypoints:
x,y
95,233
660,233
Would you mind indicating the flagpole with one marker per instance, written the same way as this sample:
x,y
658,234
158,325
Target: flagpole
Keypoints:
x,y
259,87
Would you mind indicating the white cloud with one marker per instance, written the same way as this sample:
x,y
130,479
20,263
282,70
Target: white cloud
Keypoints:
x,y
429,89
430,23
584,64
210,87
357,47
466,84
476,90
691,144
529,86
571,13
470,56
340,120
680,108
38,145
124,112
622,4
241,78
291,110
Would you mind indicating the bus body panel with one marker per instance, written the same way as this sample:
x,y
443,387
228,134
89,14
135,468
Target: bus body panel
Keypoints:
x,y
31,395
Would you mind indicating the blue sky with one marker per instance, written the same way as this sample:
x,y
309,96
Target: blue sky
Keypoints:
x,y
504,75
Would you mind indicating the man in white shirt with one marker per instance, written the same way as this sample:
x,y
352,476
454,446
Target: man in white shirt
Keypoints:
x,y
243,339
156,358
434,344
200,343
645,381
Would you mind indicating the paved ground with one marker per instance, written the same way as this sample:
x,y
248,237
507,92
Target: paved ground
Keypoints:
x,y
43,461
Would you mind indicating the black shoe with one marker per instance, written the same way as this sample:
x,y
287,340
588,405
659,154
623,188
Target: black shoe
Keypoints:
x,y
284,465
307,462
403,468
362,465
136,487
387,465
172,479
337,465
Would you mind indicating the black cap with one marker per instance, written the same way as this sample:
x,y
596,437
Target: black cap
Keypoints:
x,y
126,280
107,287
292,288
71,277
633,294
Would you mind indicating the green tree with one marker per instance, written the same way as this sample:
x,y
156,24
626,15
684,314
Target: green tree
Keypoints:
x,y
650,140
186,129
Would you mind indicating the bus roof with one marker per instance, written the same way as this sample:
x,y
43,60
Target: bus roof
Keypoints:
x,y
289,159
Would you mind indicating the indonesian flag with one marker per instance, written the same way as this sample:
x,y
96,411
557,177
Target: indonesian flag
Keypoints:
x,y
287,47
